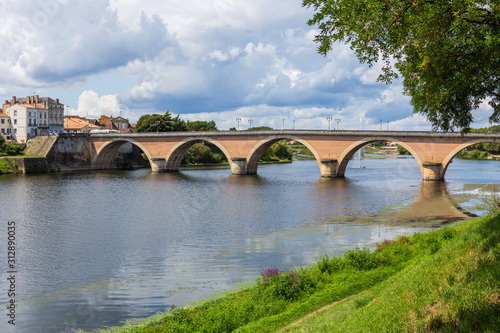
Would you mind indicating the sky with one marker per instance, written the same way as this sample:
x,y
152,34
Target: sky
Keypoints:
x,y
203,59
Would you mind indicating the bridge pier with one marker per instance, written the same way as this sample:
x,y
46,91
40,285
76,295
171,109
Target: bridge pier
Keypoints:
x,y
239,166
432,171
329,168
158,164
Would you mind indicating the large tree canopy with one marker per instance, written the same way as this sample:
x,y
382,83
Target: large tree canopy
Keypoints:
x,y
446,51
160,123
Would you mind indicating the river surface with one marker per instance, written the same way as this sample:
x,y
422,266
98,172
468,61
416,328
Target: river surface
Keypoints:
x,y
94,249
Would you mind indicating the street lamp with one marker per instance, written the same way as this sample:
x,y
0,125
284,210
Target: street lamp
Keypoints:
x,y
250,121
294,124
157,123
238,120
329,119
387,125
283,128
380,125
67,118
338,120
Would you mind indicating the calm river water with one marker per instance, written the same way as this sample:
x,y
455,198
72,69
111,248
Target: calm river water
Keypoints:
x,y
97,248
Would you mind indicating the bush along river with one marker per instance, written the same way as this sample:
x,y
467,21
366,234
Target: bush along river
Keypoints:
x,y
97,248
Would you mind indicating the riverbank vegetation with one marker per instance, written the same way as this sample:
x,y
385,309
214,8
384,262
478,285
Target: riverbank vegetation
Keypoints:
x,y
9,149
441,280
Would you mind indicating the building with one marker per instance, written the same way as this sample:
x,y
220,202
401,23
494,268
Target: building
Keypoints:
x,y
28,120
118,123
5,126
55,110
76,124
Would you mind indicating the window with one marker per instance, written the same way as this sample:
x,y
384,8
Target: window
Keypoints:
x,y
8,130
29,124
44,116
29,114
34,122
3,121
3,130
15,121
15,112
40,116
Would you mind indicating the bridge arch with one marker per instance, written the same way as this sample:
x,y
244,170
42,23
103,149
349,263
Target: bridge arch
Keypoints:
x,y
447,160
174,157
106,153
261,147
349,152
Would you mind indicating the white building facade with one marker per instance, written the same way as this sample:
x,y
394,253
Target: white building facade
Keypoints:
x,y
28,121
55,112
5,126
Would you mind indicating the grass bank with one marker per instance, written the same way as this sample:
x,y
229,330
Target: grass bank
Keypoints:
x,y
444,280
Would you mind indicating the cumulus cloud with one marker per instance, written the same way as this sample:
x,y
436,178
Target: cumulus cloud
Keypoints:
x,y
210,60
91,105
54,40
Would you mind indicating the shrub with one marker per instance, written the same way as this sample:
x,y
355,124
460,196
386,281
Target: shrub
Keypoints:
x,y
12,149
361,259
284,285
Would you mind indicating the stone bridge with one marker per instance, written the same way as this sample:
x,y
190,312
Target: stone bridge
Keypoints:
x,y
433,151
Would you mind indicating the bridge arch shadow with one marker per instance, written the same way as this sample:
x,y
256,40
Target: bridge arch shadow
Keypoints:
x,y
349,152
109,154
260,148
174,157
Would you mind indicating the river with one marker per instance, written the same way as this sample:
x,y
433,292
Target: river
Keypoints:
x,y
96,248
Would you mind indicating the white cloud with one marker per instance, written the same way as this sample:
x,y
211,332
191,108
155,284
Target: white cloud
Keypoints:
x,y
91,105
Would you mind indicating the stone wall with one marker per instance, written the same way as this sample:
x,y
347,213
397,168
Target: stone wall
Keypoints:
x,y
25,164
70,152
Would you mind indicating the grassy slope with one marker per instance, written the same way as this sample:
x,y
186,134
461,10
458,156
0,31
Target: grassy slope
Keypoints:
x,y
443,280
457,289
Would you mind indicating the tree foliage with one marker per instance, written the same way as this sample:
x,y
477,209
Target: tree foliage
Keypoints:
x,y
160,123
446,51
199,126
201,153
2,141
278,151
13,149
260,128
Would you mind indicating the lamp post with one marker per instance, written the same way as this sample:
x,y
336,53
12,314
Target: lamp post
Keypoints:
x,y
238,120
329,119
380,125
294,124
283,128
387,125
250,121
157,123
338,120
67,118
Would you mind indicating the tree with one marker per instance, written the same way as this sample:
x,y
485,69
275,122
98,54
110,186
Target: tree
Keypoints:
x,y
160,123
13,149
2,141
446,51
260,128
199,125
403,151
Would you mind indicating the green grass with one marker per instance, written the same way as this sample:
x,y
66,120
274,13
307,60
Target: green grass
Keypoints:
x,y
444,280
